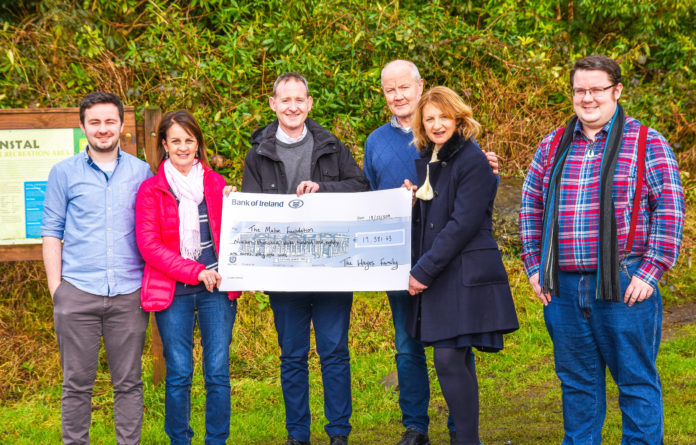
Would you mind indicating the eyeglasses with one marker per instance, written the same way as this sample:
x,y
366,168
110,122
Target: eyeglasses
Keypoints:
x,y
580,93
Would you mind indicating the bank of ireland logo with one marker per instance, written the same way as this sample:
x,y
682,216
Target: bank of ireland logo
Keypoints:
x,y
296,203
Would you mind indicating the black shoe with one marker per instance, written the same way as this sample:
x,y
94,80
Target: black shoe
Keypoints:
x,y
339,440
293,441
413,437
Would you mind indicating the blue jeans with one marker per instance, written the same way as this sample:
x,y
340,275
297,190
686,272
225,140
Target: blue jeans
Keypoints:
x,y
411,367
215,315
330,314
589,335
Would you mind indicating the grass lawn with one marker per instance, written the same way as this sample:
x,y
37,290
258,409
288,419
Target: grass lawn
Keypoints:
x,y
520,394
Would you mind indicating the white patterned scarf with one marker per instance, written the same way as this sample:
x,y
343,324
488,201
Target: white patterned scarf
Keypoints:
x,y
189,191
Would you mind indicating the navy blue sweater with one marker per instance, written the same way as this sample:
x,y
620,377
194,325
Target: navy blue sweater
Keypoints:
x,y
389,158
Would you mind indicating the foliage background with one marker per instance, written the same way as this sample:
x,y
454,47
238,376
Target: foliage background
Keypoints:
x,y
509,59
219,59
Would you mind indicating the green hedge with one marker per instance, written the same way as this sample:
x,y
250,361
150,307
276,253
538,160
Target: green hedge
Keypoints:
x,y
510,59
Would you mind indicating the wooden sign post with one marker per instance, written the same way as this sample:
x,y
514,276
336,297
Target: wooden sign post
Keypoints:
x,y
152,117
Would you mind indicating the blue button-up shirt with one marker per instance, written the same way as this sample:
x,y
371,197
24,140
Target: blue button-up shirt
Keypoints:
x,y
94,215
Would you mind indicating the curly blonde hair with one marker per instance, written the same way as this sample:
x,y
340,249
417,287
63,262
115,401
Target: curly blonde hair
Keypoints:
x,y
451,105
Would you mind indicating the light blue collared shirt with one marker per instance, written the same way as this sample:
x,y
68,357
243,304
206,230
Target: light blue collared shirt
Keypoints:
x,y
395,123
94,215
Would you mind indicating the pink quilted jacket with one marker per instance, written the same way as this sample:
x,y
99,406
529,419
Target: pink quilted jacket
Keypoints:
x,y
157,234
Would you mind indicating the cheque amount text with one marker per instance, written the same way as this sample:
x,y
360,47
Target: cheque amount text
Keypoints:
x,y
379,239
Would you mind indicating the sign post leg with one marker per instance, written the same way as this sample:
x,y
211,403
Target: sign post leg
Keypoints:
x,y
159,369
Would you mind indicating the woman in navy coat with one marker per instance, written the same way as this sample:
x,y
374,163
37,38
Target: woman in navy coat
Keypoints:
x,y
461,294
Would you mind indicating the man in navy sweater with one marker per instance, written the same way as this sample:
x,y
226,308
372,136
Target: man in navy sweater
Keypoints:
x,y
389,159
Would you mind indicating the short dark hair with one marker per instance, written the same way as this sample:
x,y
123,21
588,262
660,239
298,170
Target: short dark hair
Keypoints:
x,y
597,62
100,97
287,76
186,120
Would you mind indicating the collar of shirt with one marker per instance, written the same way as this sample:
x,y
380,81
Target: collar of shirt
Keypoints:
x,y
94,165
285,139
579,132
395,123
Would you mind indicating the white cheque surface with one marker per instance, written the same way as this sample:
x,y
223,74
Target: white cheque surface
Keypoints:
x,y
316,242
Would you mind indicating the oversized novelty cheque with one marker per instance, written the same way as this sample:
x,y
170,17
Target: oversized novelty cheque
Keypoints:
x,y
316,242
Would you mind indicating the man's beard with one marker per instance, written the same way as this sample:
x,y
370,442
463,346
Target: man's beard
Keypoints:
x,y
104,150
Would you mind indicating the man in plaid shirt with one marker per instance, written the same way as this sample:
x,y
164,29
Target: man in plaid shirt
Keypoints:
x,y
602,306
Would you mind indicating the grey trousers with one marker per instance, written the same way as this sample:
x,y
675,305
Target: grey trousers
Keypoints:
x,y
81,319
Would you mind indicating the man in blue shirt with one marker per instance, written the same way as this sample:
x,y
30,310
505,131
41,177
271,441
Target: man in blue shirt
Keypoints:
x,y
389,159
94,275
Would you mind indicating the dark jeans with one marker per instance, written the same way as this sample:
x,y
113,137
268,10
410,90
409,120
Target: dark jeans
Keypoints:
x,y
330,314
590,335
411,367
215,314
81,319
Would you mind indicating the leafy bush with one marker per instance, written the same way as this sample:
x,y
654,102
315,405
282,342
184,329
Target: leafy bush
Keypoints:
x,y
510,59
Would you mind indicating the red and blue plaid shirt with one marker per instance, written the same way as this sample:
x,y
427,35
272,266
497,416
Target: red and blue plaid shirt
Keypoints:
x,y
660,222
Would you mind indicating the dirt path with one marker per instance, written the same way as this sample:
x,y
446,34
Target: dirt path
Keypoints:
x,y
674,317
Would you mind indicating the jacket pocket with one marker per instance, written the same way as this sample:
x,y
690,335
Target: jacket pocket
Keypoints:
x,y
482,266
57,292
328,169
157,291
270,187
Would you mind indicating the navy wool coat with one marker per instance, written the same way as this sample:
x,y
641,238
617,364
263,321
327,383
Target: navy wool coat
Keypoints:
x,y
454,251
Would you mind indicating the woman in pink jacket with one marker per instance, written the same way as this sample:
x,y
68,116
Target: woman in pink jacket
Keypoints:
x,y
177,218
